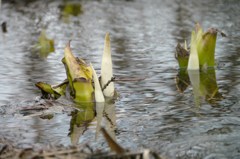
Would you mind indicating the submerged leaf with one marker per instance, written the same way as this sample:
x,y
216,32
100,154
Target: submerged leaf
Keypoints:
x,y
70,9
45,45
106,68
73,9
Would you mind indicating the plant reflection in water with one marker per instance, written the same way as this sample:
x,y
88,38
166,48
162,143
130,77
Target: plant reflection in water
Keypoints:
x,y
86,113
204,85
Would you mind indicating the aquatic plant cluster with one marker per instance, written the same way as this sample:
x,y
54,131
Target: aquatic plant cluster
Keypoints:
x,y
82,83
196,65
201,54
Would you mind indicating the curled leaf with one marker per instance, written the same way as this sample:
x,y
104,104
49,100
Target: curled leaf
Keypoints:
x,y
79,75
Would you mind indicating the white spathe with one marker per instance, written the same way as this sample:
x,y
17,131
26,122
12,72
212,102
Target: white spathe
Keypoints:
x,y
106,68
193,62
98,90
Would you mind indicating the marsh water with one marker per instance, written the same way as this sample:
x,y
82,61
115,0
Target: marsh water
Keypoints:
x,y
164,111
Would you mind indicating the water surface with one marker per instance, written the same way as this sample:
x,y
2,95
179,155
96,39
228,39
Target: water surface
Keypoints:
x,y
151,113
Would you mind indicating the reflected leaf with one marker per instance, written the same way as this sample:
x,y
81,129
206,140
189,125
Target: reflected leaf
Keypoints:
x,y
99,117
106,116
204,85
114,146
80,121
45,45
195,82
73,9
182,80
110,116
209,87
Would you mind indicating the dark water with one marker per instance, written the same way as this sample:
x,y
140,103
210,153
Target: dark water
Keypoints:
x,y
148,114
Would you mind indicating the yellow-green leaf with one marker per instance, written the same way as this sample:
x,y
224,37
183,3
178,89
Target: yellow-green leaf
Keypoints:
x,y
45,45
182,56
47,90
79,76
206,48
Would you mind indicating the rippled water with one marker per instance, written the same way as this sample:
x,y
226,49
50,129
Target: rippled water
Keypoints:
x,y
148,114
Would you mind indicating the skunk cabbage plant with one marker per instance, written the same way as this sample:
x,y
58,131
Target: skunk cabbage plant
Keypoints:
x,y
82,81
202,49
79,75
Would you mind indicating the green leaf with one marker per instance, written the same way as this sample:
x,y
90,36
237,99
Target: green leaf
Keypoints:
x,y
80,77
52,91
206,48
45,45
73,9
182,56
202,49
60,88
